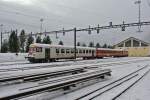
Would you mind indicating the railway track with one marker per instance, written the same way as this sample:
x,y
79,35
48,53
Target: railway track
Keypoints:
x,y
126,89
38,76
55,84
70,64
13,63
98,92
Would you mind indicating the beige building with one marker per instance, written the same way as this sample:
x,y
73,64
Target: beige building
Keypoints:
x,y
135,47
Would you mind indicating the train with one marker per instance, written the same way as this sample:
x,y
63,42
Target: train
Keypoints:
x,y
50,53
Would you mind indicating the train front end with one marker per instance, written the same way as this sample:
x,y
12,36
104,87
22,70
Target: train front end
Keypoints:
x,y
35,53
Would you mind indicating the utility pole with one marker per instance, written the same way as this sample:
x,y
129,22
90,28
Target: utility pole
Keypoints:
x,y
41,27
139,18
1,35
75,47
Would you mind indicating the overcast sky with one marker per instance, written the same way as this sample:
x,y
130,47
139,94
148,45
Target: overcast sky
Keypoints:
x,y
26,14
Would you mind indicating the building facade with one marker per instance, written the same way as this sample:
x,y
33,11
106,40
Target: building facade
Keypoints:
x,y
135,47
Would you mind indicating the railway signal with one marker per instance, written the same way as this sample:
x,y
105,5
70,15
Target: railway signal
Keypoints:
x,y
63,32
89,31
98,29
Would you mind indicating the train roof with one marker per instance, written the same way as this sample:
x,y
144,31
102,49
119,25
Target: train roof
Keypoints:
x,y
110,49
57,46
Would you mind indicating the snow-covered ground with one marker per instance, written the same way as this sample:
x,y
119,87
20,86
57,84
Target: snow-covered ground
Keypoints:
x,y
12,57
118,71
119,66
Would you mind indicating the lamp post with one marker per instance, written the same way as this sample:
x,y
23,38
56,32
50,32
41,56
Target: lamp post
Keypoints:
x,y
139,18
41,27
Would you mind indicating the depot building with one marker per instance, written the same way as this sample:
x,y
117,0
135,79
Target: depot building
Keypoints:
x,y
135,47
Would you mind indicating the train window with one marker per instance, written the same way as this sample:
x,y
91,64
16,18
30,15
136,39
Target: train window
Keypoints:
x,y
87,51
62,51
80,51
83,51
93,51
76,51
67,51
30,49
39,49
57,50
34,49
72,50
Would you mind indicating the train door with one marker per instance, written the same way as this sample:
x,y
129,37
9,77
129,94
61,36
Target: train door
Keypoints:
x,y
93,52
47,53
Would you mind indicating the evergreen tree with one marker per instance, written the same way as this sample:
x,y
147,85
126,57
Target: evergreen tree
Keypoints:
x,y
4,48
84,45
109,46
60,43
13,42
30,40
98,45
91,44
105,45
22,40
78,44
38,39
47,40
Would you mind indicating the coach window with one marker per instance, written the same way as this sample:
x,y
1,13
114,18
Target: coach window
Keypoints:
x,y
72,50
93,51
80,51
87,51
57,50
67,51
62,51
83,51
34,49
38,49
76,50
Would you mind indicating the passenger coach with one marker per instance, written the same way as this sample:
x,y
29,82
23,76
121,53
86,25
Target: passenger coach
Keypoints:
x,y
48,53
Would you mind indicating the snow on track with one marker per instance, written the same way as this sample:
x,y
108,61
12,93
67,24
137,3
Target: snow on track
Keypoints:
x,y
117,72
103,62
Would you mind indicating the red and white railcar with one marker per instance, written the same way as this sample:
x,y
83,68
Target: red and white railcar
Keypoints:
x,y
47,53
103,52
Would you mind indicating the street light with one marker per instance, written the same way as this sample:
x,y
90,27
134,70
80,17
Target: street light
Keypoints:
x,y
41,27
139,18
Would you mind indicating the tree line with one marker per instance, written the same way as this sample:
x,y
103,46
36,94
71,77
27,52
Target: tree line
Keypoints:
x,y
20,43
